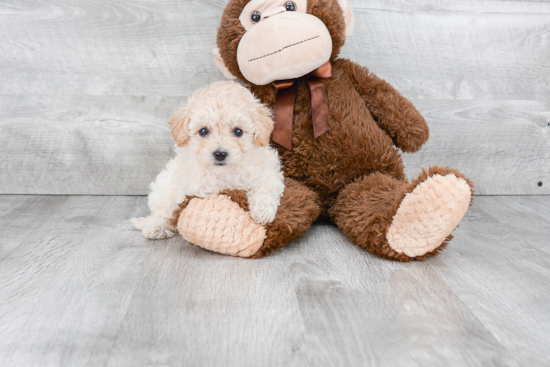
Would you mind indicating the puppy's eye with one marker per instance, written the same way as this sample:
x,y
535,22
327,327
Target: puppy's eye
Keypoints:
x,y
238,132
290,6
203,131
256,16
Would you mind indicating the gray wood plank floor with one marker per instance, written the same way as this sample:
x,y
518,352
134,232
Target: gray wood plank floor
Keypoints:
x,y
80,287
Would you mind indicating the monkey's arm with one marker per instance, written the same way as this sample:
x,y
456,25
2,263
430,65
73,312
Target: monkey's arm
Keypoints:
x,y
393,112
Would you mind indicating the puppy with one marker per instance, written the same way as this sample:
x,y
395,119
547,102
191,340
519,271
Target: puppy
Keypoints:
x,y
222,136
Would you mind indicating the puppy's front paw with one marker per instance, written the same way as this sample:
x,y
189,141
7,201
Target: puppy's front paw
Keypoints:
x,y
158,228
263,214
139,223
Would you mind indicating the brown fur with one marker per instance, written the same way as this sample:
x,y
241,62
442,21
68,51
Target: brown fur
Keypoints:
x,y
353,174
230,33
231,30
298,210
365,209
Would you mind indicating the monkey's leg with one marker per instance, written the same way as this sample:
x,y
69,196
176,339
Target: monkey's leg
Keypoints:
x,y
401,221
222,223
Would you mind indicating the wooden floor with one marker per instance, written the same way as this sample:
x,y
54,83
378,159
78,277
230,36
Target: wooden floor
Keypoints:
x,y
80,287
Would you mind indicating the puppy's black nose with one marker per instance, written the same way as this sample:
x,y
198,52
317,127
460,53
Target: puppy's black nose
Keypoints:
x,y
220,155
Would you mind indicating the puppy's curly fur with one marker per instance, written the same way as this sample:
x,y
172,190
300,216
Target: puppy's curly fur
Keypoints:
x,y
222,136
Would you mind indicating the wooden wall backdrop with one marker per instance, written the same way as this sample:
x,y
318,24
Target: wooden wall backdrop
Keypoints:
x,y
86,87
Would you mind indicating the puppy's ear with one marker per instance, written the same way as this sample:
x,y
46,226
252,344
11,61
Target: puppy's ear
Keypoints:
x,y
179,123
263,125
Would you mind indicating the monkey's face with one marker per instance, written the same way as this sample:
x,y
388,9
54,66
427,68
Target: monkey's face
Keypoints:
x,y
281,42
264,41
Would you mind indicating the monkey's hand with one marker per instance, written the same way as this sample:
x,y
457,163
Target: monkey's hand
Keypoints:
x,y
393,112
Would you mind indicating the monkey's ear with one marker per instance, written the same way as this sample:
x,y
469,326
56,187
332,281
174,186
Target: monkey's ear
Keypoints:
x,y
221,65
180,126
348,16
263,125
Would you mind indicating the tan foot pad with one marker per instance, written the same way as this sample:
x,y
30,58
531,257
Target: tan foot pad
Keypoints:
x,y
429,214
219,224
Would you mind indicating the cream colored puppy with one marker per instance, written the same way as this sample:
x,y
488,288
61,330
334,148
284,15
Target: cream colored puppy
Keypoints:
x,y
222,136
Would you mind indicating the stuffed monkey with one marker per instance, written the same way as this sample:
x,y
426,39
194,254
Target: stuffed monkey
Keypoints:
x,y
338,131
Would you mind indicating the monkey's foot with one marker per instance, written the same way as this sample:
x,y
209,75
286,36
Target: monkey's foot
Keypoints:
x,y
221,225
429,213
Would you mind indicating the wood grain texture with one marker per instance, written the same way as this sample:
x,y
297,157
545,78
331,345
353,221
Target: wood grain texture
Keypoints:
x,y
506,264
18,213
84,144
65,284
80,287
116,145
103,47
503,146
87,87
457,49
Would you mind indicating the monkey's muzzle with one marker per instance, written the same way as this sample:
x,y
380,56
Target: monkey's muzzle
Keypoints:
x,y
288,45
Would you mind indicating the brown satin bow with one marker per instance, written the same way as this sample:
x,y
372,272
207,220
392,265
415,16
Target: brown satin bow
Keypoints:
x,y
284,105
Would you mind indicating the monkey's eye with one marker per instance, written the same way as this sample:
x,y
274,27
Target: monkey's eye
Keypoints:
x,y
256,17
238,132
203,131
290,6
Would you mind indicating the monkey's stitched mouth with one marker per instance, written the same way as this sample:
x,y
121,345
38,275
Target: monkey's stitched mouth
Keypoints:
x,y
281,50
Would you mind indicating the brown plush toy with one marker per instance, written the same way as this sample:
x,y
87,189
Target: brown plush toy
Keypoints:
x,y
337,129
